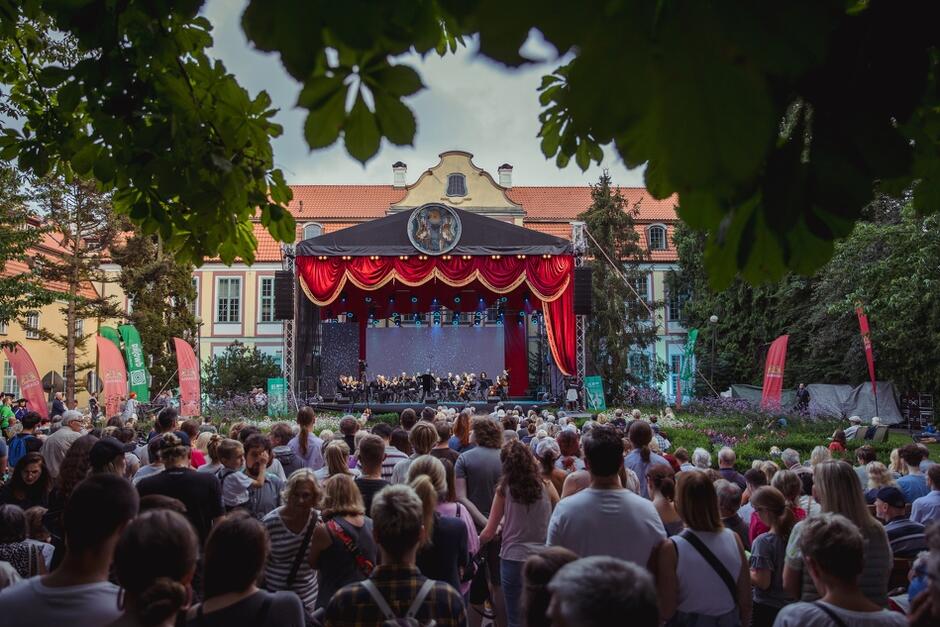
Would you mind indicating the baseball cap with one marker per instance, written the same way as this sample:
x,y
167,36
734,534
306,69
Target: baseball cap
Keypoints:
x,y
892,496
106,450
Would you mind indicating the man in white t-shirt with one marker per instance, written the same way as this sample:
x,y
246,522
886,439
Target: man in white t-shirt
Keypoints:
x,y
606,518
833,551
78,593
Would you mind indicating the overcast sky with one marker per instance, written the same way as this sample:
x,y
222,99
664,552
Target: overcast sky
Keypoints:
x,y
470,104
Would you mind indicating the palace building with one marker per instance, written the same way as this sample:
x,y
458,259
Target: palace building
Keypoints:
x,y
236,303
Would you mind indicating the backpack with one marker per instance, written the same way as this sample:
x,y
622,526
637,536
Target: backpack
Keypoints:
x,y
289,462
408,620
18,449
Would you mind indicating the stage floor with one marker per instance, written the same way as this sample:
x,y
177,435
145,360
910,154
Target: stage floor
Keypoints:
x,y
383,408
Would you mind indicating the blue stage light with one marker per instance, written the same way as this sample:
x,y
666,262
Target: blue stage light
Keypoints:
x,y
368,299
414,299
457,299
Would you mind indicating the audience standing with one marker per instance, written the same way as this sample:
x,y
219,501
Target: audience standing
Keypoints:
x,y
641,458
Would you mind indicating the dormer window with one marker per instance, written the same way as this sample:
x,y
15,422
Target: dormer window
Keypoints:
x,y
312,229
657,237
456,184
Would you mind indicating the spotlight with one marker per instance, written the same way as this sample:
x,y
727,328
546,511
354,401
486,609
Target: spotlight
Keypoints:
x,y
457,299
455,319
414,299
349,315
391,300
368,299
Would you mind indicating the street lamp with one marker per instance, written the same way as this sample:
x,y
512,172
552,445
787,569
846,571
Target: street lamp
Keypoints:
x,y
714,322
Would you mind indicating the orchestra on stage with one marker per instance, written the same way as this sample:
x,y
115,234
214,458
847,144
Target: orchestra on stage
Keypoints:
x,y
405,388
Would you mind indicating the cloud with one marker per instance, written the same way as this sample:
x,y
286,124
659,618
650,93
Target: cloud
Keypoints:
x,y
471,104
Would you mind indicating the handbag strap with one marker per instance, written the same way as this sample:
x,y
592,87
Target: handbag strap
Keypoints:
x,y
838,622
713,561
362,562
301,552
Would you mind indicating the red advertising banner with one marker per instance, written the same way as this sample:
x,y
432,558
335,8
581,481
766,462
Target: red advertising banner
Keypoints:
x,y
27,377
773,373
866,342
188,368
113,375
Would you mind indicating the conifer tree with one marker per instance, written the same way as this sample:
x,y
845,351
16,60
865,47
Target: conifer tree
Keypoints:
x,y
621,323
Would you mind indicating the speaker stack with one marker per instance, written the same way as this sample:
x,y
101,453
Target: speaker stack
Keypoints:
x,y
582,291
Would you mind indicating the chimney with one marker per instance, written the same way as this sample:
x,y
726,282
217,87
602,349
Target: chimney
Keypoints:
x,y
505,175
399,170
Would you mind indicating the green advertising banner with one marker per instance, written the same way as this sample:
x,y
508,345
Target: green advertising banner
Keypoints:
x,y
111,334
277,397
136,365
594,393
687,373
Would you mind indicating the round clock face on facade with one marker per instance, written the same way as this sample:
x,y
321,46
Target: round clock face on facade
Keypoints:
x,y
434,229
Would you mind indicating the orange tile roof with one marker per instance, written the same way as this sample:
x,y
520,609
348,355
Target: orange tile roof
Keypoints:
x,y
544,202
343,201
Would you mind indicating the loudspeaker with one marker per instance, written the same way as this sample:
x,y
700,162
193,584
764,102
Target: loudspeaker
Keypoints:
x,y
582,291
283,295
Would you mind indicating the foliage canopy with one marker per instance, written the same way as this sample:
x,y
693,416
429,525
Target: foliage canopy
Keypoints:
x,y
774,122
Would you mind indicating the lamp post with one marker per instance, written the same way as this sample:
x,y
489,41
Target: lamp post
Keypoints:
x,y
713,320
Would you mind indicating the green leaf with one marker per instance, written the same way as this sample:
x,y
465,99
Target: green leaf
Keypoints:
x,y
52,76
399,80
396,121
69,96
324,124
361,132
83,160
318,89
104,169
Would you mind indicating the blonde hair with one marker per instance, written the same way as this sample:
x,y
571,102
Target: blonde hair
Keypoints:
x,y
326,436
336,455
819,455
426,491
212,448
879,476
302,475
433,469
839,491
341,497
769,469
897,464
202,441
423,437
229,448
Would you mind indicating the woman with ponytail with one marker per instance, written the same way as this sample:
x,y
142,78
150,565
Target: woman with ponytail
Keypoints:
x,y
444,554
661,483
214,465
768,553
305,445
641,457
154,562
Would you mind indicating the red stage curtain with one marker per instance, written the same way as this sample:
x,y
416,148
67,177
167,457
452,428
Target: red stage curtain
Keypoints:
x,y
516,357
548,278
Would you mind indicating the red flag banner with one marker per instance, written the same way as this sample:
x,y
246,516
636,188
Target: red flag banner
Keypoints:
x,y
866,342
113,375
773,373
188,368
27,377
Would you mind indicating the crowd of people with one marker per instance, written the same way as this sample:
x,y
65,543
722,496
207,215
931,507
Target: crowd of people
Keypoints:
x,y
453,518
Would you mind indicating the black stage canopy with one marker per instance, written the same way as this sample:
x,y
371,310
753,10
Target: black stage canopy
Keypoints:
x,y
480,235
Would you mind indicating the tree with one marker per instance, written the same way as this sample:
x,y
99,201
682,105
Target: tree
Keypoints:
x,y
163,294
81,226
21,291
620,324
888,264
236,371
774,122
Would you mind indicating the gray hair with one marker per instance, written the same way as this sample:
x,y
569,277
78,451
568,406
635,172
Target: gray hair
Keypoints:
x,y
701,458
12,524
790,457
729,496
726,455
70,415
589,591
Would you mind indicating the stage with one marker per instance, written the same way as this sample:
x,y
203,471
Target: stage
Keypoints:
x,y
479,407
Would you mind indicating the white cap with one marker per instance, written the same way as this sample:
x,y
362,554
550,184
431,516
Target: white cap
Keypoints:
x,y
855,419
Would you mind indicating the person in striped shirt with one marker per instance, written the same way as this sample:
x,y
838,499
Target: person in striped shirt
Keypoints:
x,y
906,537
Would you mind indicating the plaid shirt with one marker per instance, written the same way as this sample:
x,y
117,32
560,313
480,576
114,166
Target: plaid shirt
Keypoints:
x,y
353,606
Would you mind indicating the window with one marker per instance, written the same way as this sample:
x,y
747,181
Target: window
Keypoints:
x,y
312,229
456,185
194,303
675,364
32,325
3,328
79,328
228,300
642,286
639,364
266,292
10,385
657,237
676,300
